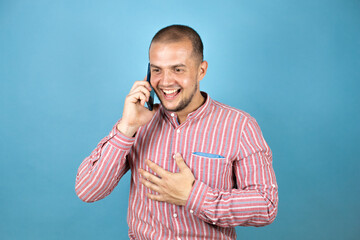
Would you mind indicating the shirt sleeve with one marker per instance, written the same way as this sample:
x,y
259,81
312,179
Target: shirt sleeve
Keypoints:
x,y
100,172
254,200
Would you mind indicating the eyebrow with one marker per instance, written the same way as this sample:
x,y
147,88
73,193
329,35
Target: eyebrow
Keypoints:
x,y
172,66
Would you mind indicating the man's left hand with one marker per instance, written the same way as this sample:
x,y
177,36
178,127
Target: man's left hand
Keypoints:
x,y
170,187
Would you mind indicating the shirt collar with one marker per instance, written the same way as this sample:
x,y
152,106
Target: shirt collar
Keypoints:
x,y
203,109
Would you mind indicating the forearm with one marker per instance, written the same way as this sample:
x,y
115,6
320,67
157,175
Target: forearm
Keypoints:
x,y
232,208
252,203
99,173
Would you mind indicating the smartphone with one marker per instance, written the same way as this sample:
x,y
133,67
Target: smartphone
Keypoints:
x,y
150,103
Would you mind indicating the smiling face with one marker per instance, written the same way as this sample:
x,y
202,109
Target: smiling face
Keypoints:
x,y
175,75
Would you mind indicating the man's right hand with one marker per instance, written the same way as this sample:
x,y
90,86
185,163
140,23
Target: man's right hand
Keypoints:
x,y
135,114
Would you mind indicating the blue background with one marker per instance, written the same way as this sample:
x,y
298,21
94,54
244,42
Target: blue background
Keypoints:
x,y
66,67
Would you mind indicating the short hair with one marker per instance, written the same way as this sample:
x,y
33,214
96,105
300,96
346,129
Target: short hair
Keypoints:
x,y
176,33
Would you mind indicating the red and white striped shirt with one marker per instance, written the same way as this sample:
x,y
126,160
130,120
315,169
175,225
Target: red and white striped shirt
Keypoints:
x,y
224,147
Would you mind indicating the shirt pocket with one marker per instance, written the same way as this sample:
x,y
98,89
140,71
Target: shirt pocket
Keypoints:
x,y
213,171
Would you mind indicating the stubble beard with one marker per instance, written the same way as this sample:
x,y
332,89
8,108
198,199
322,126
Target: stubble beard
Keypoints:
x,y
183,103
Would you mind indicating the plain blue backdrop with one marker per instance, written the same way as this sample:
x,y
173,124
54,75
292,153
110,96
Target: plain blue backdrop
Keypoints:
x,y
66,67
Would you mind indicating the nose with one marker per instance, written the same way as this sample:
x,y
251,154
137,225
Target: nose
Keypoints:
x,y
166,78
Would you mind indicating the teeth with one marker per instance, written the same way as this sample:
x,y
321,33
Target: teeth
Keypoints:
x,y
169,91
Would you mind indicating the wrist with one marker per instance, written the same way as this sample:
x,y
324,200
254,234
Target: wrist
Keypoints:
x,y
127,130
187,193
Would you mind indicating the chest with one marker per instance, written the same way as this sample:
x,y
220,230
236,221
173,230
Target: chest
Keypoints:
x,y
209,151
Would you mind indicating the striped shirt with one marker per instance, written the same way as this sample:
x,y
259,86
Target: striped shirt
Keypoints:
x,y
224,147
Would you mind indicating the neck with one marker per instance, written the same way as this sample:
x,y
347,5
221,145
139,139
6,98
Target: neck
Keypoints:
x,y
198,102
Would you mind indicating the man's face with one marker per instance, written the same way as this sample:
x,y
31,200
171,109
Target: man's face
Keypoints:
x,y
175,75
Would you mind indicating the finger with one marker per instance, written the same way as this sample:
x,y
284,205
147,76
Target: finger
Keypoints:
x,y
144,91
180,162
151,177
141,89
156,168
141,83
150,185
138,96
155,197
136,84
147,85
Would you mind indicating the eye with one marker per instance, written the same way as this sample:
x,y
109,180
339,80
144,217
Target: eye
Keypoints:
x,y
155,70
178,70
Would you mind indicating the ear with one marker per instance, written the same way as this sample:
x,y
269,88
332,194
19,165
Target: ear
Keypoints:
x,y
202,69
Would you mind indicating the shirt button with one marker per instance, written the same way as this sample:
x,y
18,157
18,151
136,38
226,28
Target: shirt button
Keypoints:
x,y
214,223
178,131
191,211
175,215
173,114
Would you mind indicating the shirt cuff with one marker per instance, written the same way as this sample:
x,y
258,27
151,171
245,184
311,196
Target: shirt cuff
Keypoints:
x,y
197,196
120,141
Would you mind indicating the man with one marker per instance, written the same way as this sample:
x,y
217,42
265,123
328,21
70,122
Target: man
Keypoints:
x,y
198,167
